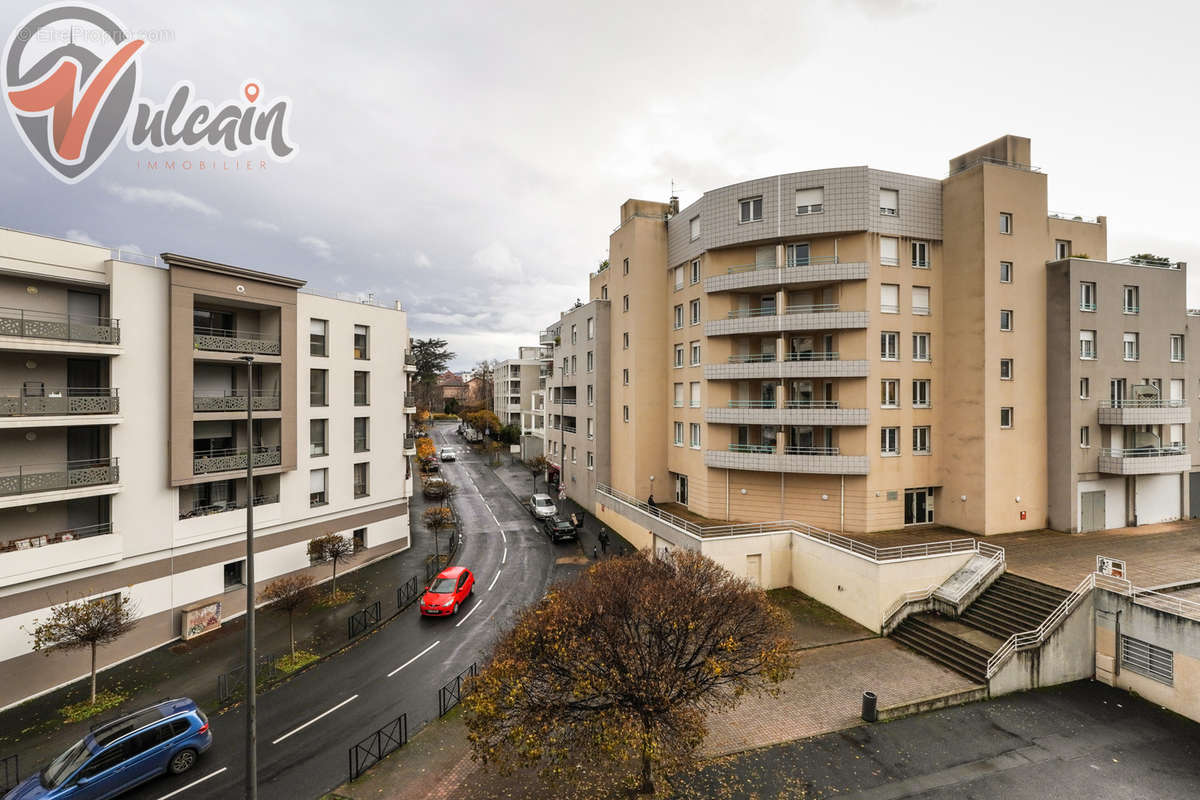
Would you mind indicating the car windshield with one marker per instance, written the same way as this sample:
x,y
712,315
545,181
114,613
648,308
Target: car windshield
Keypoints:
x,y
542,501
65,765
443,585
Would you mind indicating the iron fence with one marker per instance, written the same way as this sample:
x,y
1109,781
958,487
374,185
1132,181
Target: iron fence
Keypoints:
x,y
364,620
232,684
9,772
370,751
408,592
451,694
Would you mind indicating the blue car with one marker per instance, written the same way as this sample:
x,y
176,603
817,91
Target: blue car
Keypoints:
x,y
121,754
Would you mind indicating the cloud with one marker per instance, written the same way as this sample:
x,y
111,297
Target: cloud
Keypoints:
x,y
317,246
497,261
131,248
261,225
422,260
167,198
76,235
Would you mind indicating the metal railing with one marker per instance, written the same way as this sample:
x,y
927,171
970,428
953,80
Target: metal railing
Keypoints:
x,y
1026,640
761,311
56,476
751,448
789,263
235,400
10,772
227,340
799,450
205,461
1176,449
206,510
996,557
1087,306
38,400
364,620
751,404
25,542
1071,217
407,593
366,753
451,694
1145,262
751,358
811,355
812,404
1000,162
1143,403
818,308
31,324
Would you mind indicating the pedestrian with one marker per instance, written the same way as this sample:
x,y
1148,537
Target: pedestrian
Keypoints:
x,y
650,501
582,518
574,522
595,553
603,536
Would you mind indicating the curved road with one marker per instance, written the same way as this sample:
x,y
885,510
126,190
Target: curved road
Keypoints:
x,y
306,725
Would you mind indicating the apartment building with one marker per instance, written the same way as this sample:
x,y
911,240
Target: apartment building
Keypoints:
x,y
515,381
853,348
123,438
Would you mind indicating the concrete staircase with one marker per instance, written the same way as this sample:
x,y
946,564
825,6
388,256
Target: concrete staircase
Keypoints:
x,y
921,632
1012,604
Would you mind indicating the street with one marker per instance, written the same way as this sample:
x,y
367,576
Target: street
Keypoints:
x,y
306,725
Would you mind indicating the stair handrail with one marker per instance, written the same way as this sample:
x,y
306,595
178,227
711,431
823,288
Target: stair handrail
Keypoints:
x,y
1026,640
995,555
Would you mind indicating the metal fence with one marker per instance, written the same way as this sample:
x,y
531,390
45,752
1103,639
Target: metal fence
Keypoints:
x,y
9,772
232,684
364,620
370,751
451,694
408,592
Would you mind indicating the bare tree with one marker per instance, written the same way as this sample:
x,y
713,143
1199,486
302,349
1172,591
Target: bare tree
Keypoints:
x,y
331,547
289,594
537,465
437,519
85,624
625,661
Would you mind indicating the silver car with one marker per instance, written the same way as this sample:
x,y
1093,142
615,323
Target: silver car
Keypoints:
x,y
542,506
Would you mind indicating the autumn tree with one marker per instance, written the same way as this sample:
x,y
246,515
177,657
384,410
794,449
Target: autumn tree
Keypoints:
x,y
483,421
438,519
537,465
331,547
425,448
85,624
289,594
625,661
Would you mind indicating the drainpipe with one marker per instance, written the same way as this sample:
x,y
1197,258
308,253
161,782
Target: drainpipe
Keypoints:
x,y
727,495
843,501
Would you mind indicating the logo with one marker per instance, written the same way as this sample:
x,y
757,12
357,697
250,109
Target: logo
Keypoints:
x,y
71,75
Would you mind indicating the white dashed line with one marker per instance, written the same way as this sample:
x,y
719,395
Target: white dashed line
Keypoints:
x,y
502,536
468,616
193,783
493,583
314,719
504,558
414,658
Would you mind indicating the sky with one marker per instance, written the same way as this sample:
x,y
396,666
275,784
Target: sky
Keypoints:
x,y
469,159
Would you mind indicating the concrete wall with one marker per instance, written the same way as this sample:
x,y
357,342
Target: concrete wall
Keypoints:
x,y
1065,656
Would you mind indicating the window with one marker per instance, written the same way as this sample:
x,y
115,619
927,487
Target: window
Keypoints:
x,y
696,271
920,343
679,395
591,428
1087,296
591,328
1006,417
317,429
920,300
889,441
1155,663
1006,222
1130,300
318,337
1062,249
678,273
574,365
679,434
889,393
566,363
625,376
625,413
591,395
889,202
1129,346
360,342
591,460
1006,365
810,201
1006,272
678,355
1006,319
695,354
694,435
359,537
920,254
362,388
625,267
695,391
625,341
572,454
233,574
1085,388
362,434
316,487
889,251
1176,347
694,226
317,382
625,303
678,317
1087,345
361,473
574,334
751,209
889,346
921,440
591,361
604,292
796,255
694,316
920,394
1085,436
889,298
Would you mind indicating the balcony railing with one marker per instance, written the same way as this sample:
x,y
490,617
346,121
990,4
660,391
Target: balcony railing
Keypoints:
x,y
812,404
788,264
799,450
1173,449
40,540
201,510
568,401
234,401
751,358
751,448
64,327
225,340
1138,403
204,462
761,311
56,476
812,355
751,404
819,308
57,401
1087,306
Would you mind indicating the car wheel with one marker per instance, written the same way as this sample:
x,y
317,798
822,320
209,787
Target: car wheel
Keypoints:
x,y
182,761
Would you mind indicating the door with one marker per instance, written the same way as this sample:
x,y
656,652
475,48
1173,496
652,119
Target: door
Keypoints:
x,y
149,751
754,569
83,307
681,489
1091,511
918,506
84,445
83,374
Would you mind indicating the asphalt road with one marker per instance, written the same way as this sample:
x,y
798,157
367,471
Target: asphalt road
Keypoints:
x,y
306,725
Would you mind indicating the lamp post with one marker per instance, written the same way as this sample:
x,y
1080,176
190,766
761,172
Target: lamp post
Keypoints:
x,y
251,674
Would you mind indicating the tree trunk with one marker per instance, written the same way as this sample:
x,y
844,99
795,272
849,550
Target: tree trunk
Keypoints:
x,y
647,786
93,673
292,632
335,577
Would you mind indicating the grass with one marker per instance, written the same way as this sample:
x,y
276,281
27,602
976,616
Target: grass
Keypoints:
x,y
334,599
105,701
291,663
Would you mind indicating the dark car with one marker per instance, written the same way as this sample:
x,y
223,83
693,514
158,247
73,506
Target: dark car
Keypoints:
x,y
430,465
559,530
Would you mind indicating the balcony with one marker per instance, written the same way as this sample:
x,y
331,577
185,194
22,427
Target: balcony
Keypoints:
x,y
198,510
804,271
41,540
57,476
1144,412
225,340
57,401
795,365
794,318
28,558
29,324
210,461
410,446
1145,460
410,362
794,412
766,458
234,401
410,404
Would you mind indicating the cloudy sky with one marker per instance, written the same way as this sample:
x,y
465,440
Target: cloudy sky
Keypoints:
x,y
469,159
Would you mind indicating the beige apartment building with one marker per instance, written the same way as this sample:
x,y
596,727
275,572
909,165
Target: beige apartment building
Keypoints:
x,y
862,350
124,441
515,381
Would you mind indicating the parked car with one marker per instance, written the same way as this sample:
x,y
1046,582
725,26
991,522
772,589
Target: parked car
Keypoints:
x,y
559,530
447,454
435,488
449,589
542,507
119,755
430,465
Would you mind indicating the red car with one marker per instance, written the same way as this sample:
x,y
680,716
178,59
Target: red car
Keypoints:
x,y
449,589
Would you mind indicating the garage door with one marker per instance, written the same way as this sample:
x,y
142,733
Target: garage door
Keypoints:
x,y
1091,510
1157,498
1195,493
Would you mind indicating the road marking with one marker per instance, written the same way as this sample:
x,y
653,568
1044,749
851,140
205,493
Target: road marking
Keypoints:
x,y
502,536
194,783
493,583
414,658
469,613
314,719
504,558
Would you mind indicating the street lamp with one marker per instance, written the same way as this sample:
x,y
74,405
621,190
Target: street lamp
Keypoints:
x,y
251,675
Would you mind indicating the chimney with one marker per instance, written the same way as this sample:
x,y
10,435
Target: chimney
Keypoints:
x,y
673,206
